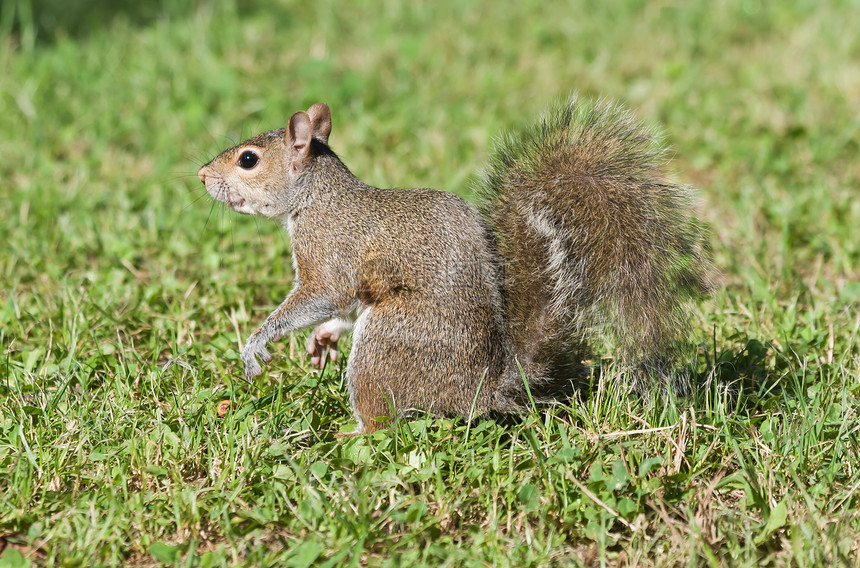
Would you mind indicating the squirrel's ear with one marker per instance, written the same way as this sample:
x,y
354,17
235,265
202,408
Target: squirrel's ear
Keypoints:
x,y
299,134
320,116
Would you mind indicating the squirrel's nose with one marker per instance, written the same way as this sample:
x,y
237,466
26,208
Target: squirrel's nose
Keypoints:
x,y
202,174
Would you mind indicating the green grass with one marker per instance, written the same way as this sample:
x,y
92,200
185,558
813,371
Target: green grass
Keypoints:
x,y
124,293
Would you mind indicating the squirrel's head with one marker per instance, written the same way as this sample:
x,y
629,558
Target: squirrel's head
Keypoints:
x,y
258,176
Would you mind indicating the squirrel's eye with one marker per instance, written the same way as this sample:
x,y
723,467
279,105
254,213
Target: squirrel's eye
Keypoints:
x,y
248,160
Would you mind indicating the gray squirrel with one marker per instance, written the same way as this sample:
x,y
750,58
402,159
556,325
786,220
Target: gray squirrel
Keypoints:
x,y
464,311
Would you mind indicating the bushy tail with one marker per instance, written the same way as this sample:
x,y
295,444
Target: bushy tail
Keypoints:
x,y
595,241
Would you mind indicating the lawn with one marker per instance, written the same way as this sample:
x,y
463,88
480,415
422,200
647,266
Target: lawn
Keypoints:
x,y
127,436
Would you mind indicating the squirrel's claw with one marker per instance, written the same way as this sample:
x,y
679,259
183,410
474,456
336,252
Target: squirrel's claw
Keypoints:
x,y
250,353
323,338
318,358
252,370
265,357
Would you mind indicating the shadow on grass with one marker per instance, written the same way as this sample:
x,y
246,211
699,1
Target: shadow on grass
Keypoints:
x,y
738,380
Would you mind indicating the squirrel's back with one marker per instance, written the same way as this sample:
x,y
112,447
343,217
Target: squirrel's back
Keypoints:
x,y
595,241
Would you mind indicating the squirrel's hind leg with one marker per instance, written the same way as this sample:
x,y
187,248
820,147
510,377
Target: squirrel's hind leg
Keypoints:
x,y
399,365
366,376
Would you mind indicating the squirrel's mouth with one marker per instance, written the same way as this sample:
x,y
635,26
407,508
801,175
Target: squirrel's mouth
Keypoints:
x,y
233,201
229,198
236,203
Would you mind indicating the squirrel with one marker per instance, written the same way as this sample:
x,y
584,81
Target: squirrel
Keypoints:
x,y
466,311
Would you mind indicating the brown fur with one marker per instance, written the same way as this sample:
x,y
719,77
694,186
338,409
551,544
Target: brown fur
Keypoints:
x,y
443,317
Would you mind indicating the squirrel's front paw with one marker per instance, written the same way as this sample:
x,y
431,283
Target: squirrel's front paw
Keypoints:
x,y
254,348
